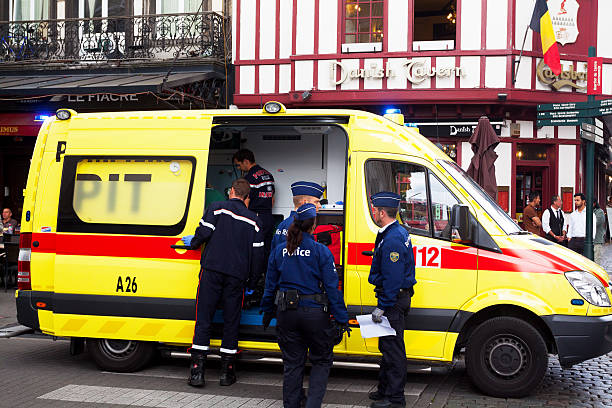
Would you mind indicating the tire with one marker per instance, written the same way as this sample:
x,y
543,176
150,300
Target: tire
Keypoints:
x,y
123,356
506,357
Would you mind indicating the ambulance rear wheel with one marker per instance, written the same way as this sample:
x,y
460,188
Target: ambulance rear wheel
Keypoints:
x,y
506,357
122,356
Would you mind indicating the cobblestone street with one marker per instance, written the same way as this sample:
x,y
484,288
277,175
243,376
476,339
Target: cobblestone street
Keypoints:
x,y
39,372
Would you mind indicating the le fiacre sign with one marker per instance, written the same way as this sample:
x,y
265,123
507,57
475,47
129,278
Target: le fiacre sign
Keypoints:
x,y
415,71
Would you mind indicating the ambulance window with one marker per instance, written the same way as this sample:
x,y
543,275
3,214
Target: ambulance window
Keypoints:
x,y
442,202
409,181
125,195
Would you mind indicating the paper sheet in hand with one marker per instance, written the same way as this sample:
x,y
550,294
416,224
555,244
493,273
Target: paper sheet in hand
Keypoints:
x,y
370,329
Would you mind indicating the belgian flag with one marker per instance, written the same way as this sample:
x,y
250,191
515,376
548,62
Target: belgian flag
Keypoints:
x,y
542,23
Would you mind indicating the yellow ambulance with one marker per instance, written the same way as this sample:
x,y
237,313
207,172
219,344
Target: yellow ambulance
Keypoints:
x,y
110,194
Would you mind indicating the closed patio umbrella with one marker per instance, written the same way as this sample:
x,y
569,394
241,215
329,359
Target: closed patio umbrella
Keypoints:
x,y
482,167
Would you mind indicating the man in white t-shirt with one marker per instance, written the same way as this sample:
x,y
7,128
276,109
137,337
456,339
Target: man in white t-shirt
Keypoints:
x,y
576,225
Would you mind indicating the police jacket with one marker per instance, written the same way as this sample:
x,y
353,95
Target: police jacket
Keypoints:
x,y
392,265
280,236
234,241
310,270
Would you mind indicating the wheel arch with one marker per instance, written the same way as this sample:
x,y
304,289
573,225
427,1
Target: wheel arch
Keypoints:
x,y
510,310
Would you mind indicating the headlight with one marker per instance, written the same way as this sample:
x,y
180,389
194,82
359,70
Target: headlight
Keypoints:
x,y
589,287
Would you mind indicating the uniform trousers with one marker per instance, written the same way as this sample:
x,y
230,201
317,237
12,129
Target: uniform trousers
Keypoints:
x,y
213,287
306,331
393,365
267,229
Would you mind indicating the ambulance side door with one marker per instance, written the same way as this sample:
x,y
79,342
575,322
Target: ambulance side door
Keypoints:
x,y
126,197
446,272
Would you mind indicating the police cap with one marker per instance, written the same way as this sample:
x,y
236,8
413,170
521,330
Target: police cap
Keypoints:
x,y
306,188
306,212
386,199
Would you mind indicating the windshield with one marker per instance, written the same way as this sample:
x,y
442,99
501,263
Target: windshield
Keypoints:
x,y
481,197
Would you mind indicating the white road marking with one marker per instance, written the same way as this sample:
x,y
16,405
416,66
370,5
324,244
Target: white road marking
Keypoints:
x,y
157,398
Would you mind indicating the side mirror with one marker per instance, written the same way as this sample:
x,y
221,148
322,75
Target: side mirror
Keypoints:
x,y
460,222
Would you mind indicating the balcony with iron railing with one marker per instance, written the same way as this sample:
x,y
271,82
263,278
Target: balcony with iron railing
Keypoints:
x,y
204,36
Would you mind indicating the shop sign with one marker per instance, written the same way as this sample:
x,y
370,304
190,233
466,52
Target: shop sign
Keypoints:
x,y
415,71
567,77
595,68
103,98
564,16
453,129
9,130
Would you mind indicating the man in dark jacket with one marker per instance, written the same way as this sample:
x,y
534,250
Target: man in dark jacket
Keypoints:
x,y
232,258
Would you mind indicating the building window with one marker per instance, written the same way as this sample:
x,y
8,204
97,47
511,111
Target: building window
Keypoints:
x,y
435,25
363,21
180,6
25,10
531,152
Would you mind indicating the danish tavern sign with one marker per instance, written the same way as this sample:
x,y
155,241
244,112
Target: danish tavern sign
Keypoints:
x,y
415,71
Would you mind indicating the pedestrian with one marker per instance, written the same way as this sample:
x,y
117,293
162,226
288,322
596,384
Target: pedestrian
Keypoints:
x,y
302,286
303,192
599,225
393,275
531,221
231,260
576,225
9,224
553,221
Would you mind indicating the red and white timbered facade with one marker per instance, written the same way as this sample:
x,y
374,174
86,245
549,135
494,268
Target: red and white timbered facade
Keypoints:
x,y
308,53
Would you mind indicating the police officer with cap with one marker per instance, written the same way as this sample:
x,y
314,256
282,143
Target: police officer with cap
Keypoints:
x,y
302,286
392,273
231,260
303,192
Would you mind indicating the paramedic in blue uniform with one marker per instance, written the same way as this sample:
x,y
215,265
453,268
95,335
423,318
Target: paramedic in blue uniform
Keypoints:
x,y
392,273
261,197
231,261
302,287
303,192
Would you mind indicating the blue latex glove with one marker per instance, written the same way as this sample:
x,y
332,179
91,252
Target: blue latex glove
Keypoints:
x,y
187,240
248,292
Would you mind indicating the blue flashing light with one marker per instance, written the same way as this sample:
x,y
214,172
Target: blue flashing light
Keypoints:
x,y
41,118
392,111
411,124
577,302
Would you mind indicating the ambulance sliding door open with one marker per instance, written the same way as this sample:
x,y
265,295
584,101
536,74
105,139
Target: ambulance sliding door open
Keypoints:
x,y
291,152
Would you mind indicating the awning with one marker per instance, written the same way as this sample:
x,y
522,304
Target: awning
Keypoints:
x,y
19,124
120,83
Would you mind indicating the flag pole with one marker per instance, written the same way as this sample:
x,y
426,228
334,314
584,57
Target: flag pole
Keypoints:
x,y
517,64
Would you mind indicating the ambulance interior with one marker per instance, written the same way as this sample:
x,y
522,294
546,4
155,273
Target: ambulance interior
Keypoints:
x,y
291,153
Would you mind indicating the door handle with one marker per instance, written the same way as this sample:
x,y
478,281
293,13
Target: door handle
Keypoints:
x,y
367,253
181,247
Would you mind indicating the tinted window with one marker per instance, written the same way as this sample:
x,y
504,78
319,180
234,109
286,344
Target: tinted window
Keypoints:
x,y
125,195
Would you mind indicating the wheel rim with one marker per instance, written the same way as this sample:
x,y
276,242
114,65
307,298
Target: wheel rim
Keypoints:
x,y
117,349
507,356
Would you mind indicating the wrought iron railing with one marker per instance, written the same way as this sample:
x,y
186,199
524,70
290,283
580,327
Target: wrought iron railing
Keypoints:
x,y
149,37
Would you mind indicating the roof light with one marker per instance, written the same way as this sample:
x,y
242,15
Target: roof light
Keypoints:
x,y
41,118
274,107
63,114
392,111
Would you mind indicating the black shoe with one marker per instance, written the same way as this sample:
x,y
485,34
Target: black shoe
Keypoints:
x,y
228,369
386,404
198,364
376,395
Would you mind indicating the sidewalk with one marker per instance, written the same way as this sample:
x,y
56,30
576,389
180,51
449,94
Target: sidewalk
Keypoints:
x,y
606,262
8,311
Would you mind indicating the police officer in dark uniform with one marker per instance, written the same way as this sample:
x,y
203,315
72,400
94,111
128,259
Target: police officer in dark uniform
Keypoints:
x,y
261,196
302,285
392,273
232,258
303,192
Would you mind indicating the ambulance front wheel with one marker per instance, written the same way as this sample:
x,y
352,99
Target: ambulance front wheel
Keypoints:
x,y
506,357
122,356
